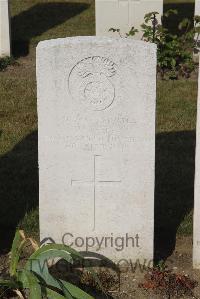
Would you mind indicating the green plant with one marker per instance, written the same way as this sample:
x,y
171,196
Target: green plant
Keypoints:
x,y
161,266
35,276
132,32
5,62
152,30
174,52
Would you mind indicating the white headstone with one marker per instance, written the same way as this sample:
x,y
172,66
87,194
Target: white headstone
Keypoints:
x,y
197,7
96,106
124,14
196,226
4,28
196,37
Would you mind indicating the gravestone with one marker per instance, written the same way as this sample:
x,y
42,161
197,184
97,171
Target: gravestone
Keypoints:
x,y
124,14
197,8
196,36
96,109
4,28
196,226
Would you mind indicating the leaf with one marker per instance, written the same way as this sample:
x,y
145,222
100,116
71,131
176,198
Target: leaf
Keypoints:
x,y
184,23
65,290
22,277
151,14
132,32
45,257
21,232
17,246
8,283
53,294
51,250
114,30
170,12
38,262
40,268
75,291
32,283
33,243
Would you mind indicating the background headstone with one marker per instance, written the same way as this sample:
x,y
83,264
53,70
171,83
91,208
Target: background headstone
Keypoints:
x,y
196,37
4,28
124,14
196,226
197,8
96,106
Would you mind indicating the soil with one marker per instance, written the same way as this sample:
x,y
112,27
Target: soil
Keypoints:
x,y
179,262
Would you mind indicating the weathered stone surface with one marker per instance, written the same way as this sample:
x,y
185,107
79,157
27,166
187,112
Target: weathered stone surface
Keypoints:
x,y
96,108
4,28
197,8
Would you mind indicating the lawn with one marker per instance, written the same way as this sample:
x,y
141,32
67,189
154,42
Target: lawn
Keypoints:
x,y
35,20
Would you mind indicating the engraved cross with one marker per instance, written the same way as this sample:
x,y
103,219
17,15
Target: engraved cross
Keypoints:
x,y
94,182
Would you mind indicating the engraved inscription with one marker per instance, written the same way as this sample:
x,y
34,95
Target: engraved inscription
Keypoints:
x,y
105,133
90,81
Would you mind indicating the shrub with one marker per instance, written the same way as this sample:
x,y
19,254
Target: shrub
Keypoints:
x,y
175,52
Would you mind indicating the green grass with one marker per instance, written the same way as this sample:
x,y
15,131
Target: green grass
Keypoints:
x,y
36,20
32,21
175,160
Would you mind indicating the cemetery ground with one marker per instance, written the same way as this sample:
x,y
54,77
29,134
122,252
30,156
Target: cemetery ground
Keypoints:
x,y
36,20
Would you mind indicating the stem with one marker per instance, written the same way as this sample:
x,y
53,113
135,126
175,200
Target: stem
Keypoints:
x,y
4,292
196,42
154,27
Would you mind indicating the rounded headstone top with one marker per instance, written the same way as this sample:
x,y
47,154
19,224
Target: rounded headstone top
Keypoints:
x,y
93,40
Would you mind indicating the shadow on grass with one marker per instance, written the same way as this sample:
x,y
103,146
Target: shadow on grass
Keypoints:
x,y
38,19
185,10
174,189
19,187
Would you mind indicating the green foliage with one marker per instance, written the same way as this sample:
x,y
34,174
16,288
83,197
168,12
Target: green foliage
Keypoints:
x,y
132,32
5,62
30,222
174,52
161,266
35,276
114,30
